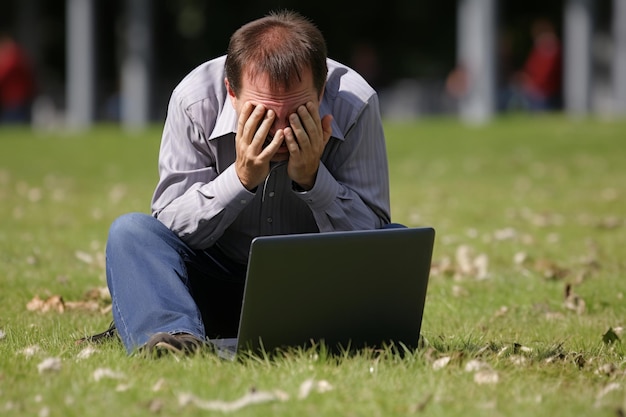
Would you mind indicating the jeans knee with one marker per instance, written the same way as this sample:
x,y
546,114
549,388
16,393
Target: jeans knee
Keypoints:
x,y
130,227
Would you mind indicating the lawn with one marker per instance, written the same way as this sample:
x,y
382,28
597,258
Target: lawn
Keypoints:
x,y
524,314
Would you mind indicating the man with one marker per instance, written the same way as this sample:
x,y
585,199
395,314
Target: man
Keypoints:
x,y
273,138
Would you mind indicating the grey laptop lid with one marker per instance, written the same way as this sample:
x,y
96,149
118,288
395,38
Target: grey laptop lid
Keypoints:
x,y
343,289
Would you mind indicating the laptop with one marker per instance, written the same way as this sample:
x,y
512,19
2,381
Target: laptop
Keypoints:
x,y
343,290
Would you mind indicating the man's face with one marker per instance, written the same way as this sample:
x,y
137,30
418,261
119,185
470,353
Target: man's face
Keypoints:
x,y
283,102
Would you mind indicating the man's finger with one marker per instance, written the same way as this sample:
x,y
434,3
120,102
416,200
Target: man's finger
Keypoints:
x,y
253,123
297,130
246,111
262,127
272,147
310,119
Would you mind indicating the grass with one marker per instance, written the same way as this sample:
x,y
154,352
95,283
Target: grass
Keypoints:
x,y
525,209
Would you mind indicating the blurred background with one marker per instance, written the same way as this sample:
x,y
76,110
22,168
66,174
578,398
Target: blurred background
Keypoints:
x,y
73,63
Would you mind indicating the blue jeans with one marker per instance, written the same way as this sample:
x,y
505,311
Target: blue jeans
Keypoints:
x,y
16,114
159,284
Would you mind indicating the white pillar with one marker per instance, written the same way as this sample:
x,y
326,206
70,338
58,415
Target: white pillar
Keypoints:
x,y
577,59
136,65
476,27
619,57
80,63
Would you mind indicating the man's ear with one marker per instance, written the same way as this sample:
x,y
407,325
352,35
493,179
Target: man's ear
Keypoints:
x,y
322,93
231,92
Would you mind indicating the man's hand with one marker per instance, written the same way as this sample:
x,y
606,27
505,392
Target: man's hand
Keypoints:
x,y
306,139
252,163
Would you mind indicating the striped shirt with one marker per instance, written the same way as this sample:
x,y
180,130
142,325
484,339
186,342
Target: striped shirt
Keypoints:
x,y
200,198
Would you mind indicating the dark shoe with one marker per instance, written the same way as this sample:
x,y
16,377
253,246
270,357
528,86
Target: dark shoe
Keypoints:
x,y
100,337
179,344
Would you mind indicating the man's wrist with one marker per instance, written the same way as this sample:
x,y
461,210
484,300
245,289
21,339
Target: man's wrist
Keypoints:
x,y
299,187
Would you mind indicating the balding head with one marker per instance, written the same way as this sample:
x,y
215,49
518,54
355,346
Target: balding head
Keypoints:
x,y
281,46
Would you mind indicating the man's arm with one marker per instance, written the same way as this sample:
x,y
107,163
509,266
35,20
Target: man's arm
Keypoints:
x,y
351,190
191,198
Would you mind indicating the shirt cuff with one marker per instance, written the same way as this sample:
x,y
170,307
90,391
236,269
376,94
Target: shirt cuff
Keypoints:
x,y
228,190
324,191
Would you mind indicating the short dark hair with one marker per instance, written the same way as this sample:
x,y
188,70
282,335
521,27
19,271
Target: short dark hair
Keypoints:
x,y
281,44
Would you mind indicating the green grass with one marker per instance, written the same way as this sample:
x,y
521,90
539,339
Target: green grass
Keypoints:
x,y
540,201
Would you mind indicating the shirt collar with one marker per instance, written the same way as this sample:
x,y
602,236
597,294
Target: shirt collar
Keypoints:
x,y
226,122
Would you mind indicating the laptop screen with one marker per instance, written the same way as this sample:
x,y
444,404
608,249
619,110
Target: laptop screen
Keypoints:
x,y
342,289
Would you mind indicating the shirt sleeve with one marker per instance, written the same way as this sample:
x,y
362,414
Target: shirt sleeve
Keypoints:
x,y
351,190
191,198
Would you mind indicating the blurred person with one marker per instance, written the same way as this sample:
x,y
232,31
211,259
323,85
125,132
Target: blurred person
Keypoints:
x,y
17,82
272,138
458,82
537,86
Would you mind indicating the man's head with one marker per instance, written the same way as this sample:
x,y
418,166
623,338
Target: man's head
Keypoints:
x,y
277,62
280,46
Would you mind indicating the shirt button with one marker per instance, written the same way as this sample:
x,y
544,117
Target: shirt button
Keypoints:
x,y
243,201
271,194
269,220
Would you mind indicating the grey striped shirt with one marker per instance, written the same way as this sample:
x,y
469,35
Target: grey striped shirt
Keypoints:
x,y
201,199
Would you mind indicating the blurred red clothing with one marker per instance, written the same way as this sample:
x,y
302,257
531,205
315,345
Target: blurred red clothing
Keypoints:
x,y
17,85
542,69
